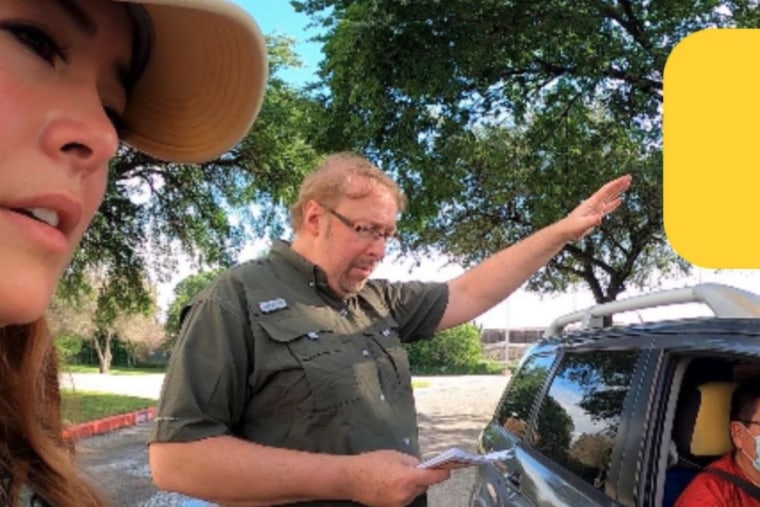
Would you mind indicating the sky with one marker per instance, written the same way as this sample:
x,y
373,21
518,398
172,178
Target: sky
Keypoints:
x,y
279,17
522,309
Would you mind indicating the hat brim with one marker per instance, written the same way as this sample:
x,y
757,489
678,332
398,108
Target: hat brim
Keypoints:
x,y
203,84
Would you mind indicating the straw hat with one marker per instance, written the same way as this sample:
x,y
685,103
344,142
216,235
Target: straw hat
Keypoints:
x,y
203,83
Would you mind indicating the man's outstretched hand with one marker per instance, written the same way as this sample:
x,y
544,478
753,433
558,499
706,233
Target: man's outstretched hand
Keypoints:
x,y
591,211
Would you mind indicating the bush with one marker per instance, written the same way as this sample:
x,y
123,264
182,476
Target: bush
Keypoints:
x,y
454,351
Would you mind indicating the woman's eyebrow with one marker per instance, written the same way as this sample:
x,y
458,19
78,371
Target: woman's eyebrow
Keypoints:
x,y
80,18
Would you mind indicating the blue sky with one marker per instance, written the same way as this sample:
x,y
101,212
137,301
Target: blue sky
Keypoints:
x,y
279,17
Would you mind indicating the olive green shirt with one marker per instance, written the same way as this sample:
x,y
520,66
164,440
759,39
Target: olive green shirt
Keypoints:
x,y
270,354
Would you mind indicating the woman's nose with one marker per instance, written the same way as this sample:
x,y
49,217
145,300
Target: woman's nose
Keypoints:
x,y
80,132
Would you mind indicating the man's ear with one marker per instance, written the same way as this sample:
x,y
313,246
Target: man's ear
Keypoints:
x,y
737,434
313,214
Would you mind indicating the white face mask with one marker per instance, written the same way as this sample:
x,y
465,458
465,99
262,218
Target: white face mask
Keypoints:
x,y
756,461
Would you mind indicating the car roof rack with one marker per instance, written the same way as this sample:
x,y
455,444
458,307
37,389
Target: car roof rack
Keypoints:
x,y
724,301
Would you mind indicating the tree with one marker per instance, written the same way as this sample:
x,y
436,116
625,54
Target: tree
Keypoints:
x,y
498,116
154,211
184,292
97,317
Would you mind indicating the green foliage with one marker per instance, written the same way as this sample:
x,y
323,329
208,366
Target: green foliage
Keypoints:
x,y
154,211
184,292
69,348
453,351
499,117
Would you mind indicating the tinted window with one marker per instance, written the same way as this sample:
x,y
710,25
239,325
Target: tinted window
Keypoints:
x,y
514,409
579,418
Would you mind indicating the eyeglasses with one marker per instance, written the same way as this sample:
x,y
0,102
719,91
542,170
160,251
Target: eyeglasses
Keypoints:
x,y
748,422
363,231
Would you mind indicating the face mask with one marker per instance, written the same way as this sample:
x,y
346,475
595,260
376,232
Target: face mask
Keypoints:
x,y
756,461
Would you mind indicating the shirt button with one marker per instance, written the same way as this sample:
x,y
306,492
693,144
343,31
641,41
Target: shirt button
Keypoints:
x,y
382,397
343,312
407,441
311,284
365,353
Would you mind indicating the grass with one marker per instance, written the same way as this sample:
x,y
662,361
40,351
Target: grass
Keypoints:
x,y
115,370
83,406
420,383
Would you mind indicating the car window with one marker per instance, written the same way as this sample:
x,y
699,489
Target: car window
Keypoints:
x,y
514,410
579,417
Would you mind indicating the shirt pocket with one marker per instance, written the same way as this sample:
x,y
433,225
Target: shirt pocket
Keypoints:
x,y
398,378
327,361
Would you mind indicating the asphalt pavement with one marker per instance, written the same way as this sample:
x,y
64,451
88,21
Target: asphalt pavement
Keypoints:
x,y
452,411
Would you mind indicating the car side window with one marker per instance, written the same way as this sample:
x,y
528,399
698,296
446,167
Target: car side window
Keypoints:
x,y
515,407
579,417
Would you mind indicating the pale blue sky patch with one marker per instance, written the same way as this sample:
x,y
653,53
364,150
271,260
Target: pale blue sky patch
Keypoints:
x,y
279,17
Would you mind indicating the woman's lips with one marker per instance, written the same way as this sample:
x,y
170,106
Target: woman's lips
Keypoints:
x,y
24,228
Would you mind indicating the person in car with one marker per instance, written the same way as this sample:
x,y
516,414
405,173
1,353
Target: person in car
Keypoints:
x,y
710,489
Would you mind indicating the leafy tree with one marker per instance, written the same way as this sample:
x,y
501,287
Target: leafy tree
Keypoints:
x,y
98,318
603,380
153,211
524,389
184,292
499,116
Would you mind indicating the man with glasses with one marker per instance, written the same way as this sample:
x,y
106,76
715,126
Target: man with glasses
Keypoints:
x,y
711,489
289,383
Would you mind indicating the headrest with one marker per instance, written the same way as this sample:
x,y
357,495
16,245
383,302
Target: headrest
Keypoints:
x,y
710,436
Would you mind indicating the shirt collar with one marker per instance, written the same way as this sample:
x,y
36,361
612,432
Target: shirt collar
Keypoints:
x,y
312,274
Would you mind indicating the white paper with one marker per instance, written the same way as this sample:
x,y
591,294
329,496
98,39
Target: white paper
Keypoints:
x,y
457,458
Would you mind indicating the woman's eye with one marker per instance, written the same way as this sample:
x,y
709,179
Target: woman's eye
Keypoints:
x,y
37,40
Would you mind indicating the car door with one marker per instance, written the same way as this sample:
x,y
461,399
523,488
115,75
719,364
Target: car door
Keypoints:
x,y
688,354
571,446
499,484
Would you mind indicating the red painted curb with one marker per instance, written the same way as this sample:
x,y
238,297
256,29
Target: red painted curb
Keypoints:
x,y
110,423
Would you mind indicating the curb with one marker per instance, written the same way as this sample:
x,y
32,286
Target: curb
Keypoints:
x,y
108,424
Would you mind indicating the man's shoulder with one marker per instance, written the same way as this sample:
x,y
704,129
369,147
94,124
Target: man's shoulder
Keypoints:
x,y
710,489
726,463
233,283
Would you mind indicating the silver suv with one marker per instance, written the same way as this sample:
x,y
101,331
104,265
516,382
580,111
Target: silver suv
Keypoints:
x,y
617,415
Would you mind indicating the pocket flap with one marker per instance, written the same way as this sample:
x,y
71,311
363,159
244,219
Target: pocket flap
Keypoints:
x,y
286,330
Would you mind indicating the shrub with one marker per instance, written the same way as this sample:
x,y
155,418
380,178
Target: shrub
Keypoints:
x,y
454,351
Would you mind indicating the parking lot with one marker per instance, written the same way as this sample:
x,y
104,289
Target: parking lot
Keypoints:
x,y
452,411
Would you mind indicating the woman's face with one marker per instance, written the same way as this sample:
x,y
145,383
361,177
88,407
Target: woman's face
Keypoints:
x,y
62,88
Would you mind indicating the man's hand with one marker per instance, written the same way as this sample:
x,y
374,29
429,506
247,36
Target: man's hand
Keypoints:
x,y
390,479
590,212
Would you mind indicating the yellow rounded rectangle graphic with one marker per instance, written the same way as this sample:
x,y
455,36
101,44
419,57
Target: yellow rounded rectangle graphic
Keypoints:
x,y
711,148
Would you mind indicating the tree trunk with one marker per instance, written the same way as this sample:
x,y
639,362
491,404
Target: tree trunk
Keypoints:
x,y
103,348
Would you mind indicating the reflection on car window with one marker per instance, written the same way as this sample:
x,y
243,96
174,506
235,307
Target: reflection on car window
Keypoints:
x,y
514,409
579,418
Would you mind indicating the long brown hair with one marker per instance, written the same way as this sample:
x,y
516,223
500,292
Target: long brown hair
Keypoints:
x,y
33,451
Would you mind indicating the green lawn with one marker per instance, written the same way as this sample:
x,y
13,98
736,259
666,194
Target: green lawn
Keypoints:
x,y
420,383
83,406
115,370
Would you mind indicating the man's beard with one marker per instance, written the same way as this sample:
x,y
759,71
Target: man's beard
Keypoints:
x,y
351,285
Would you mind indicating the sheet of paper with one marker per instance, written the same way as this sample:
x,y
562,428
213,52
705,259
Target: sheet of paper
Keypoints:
x,y
457,458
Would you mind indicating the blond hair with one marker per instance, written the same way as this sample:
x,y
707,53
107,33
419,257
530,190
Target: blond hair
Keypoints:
x,y
332,180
